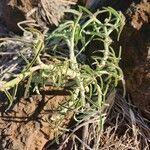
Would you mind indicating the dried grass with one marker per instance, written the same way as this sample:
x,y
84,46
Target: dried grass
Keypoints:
x,y
124,129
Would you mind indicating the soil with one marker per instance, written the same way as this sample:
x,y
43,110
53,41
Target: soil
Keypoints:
x,y
28,124
32,122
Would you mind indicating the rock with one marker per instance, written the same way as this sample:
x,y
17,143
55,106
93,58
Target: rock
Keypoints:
x,y
136,66
140,14
43,12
